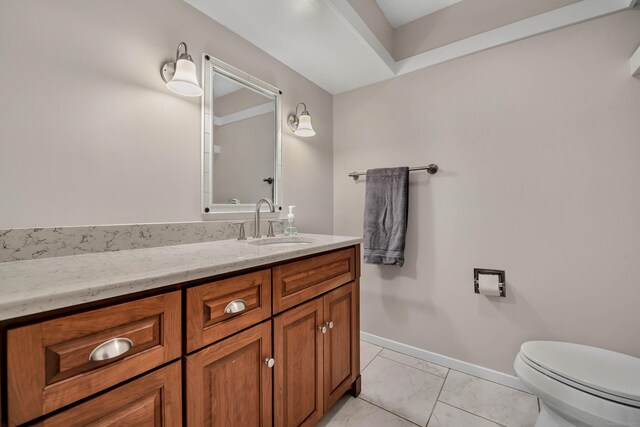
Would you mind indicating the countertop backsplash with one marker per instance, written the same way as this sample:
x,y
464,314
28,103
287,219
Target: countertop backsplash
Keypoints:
x,y
20,244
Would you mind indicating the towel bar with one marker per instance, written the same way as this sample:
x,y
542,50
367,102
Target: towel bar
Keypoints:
x,y
432,169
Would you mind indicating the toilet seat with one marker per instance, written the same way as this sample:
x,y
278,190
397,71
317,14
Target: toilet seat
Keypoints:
x,y
573,401
606,374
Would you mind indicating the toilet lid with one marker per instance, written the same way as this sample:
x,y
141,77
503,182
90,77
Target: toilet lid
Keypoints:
x,y
616,374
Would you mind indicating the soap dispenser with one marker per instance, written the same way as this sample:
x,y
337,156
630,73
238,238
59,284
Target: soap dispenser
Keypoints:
x,y
290,229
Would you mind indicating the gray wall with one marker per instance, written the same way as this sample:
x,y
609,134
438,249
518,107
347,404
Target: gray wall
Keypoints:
x,y
91,135
538,143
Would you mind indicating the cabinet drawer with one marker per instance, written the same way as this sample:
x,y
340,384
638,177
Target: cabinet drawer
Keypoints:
x,y
299,281
221,308
154,400
49,364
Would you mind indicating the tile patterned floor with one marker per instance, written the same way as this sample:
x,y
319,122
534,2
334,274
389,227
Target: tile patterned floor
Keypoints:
x,y
402,391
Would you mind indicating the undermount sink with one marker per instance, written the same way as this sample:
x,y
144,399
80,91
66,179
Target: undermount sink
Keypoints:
x,y
281,240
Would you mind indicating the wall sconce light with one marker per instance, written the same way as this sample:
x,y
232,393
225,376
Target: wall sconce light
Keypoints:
x,y
180,76
301,124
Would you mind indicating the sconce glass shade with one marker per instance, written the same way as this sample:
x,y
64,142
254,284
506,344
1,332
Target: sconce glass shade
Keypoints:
x,y
304,126
185,80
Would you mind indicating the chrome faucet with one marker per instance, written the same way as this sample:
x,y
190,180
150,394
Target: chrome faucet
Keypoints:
x,y
258,205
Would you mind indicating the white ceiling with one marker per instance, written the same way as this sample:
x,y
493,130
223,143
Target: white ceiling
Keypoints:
x,y
310,36
329,43
399,12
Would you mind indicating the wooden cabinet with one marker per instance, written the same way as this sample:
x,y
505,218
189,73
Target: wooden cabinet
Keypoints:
x,y
317,359
209,353
341,342
154,400
299,281
298,344
229,384
49,364
218,309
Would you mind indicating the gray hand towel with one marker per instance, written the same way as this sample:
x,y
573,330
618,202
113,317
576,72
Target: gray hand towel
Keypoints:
x,y
386,207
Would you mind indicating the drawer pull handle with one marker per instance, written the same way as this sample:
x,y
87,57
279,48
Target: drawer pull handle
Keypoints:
x,y
109,349
269,362
235,306
323,329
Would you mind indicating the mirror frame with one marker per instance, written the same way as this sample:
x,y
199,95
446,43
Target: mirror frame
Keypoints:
x,y
212,211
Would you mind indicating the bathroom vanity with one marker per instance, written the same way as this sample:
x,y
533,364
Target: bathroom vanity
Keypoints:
x,y
219,333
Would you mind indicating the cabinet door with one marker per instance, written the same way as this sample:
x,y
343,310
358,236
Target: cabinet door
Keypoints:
x,y
154,400
340,342
298,343
229,384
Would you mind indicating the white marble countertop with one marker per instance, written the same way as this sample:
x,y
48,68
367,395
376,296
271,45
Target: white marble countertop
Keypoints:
x,y
36,286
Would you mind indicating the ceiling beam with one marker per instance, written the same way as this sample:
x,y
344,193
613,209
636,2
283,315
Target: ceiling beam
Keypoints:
x,y
572,14
344,9
245,114
559,18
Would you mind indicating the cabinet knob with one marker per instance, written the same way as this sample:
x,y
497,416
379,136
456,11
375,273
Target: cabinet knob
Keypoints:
x,y
269,362
323,329
330,325
110,349
235,306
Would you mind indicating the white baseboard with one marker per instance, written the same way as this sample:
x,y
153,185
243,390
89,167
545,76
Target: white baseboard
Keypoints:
x,y
447,362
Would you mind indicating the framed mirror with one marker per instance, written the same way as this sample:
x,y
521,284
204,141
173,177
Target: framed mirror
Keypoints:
x,y
241,141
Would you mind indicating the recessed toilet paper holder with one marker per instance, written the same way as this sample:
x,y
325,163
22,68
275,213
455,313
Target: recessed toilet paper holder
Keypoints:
x,y
501,279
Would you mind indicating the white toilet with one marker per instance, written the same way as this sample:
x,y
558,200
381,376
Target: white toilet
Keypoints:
x,y
581,385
